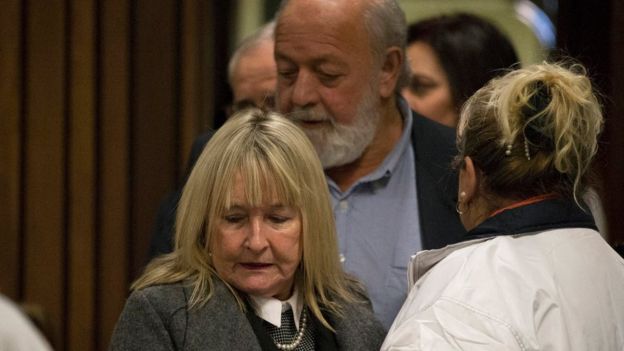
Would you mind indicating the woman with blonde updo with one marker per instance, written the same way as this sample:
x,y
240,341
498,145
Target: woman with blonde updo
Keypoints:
x,y
533,273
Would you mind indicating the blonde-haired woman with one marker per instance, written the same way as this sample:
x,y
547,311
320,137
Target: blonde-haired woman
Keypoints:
x,y
255,264
533,273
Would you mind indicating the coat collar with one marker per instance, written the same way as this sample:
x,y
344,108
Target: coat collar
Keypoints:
x,y
539,216
524,220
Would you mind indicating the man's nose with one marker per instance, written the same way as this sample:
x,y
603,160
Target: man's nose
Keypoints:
x,y
305,90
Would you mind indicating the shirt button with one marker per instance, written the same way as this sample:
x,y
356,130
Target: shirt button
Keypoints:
x,y
344,205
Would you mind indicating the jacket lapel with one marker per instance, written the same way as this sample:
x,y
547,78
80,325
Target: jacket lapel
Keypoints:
x,y
266,343
219,324
324,338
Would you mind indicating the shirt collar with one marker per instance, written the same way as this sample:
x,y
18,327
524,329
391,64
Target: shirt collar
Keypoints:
x,y
270,309
539,216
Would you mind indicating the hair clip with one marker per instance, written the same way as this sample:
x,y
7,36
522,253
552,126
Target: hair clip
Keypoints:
x,y
508,151
526,150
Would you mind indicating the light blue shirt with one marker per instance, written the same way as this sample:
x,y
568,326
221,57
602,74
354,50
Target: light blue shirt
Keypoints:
x,y
378,225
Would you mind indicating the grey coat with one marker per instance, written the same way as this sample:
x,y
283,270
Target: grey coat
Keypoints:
x,y
157,318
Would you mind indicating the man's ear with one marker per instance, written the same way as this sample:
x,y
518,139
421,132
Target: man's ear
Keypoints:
x,y
468,181
390,71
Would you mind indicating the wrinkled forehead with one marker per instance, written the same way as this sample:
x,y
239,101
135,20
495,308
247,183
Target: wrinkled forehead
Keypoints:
x,y
341,21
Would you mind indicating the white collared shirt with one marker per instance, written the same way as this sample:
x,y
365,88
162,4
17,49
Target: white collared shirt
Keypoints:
x,y
270,309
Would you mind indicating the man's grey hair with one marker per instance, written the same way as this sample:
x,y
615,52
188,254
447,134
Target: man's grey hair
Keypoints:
x,y
260,36
386,25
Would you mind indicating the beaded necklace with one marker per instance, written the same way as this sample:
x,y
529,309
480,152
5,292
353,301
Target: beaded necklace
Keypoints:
x,y
297,340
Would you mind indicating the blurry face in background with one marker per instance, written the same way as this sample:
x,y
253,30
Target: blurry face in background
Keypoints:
x,y
255,77
429,92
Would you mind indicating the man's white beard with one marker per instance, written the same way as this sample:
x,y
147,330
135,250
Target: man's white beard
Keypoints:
x,y
338,144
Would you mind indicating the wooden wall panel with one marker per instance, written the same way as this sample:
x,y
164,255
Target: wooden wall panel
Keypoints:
x,y
81,178
190,100
99,104
44,178
217,57
10,147
113,183
154,113
207,56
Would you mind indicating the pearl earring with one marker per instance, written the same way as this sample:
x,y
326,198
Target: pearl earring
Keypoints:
x,y
461,196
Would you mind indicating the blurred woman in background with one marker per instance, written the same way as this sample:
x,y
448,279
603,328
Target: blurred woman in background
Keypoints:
x,y
450,57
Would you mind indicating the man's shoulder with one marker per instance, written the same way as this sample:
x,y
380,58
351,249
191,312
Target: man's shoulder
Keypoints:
x,y
432,142
425,128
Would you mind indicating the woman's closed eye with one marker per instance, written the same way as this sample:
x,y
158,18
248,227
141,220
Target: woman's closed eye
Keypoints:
x,y
278,219
234,218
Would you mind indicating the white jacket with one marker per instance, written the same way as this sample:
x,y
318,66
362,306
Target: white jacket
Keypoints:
x,y
17,333
560,289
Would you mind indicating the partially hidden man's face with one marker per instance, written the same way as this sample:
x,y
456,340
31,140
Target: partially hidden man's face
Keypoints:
x,y
255,77
327,79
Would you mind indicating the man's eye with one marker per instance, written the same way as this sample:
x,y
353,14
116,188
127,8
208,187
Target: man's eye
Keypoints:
x,y
287,74
327,78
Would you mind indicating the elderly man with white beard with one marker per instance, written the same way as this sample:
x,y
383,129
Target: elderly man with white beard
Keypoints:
x,y
341,64
340,68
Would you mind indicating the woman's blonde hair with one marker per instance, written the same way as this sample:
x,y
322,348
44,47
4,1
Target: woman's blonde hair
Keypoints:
x,y
533,131
273,157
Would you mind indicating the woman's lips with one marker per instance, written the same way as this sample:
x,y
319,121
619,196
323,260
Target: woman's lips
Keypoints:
x,y
255,266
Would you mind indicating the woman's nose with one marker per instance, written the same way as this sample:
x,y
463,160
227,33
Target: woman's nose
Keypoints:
x,y
256,239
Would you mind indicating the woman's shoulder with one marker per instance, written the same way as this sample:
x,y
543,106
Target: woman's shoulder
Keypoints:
x,y
358,326
165,299
488,275
170,291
